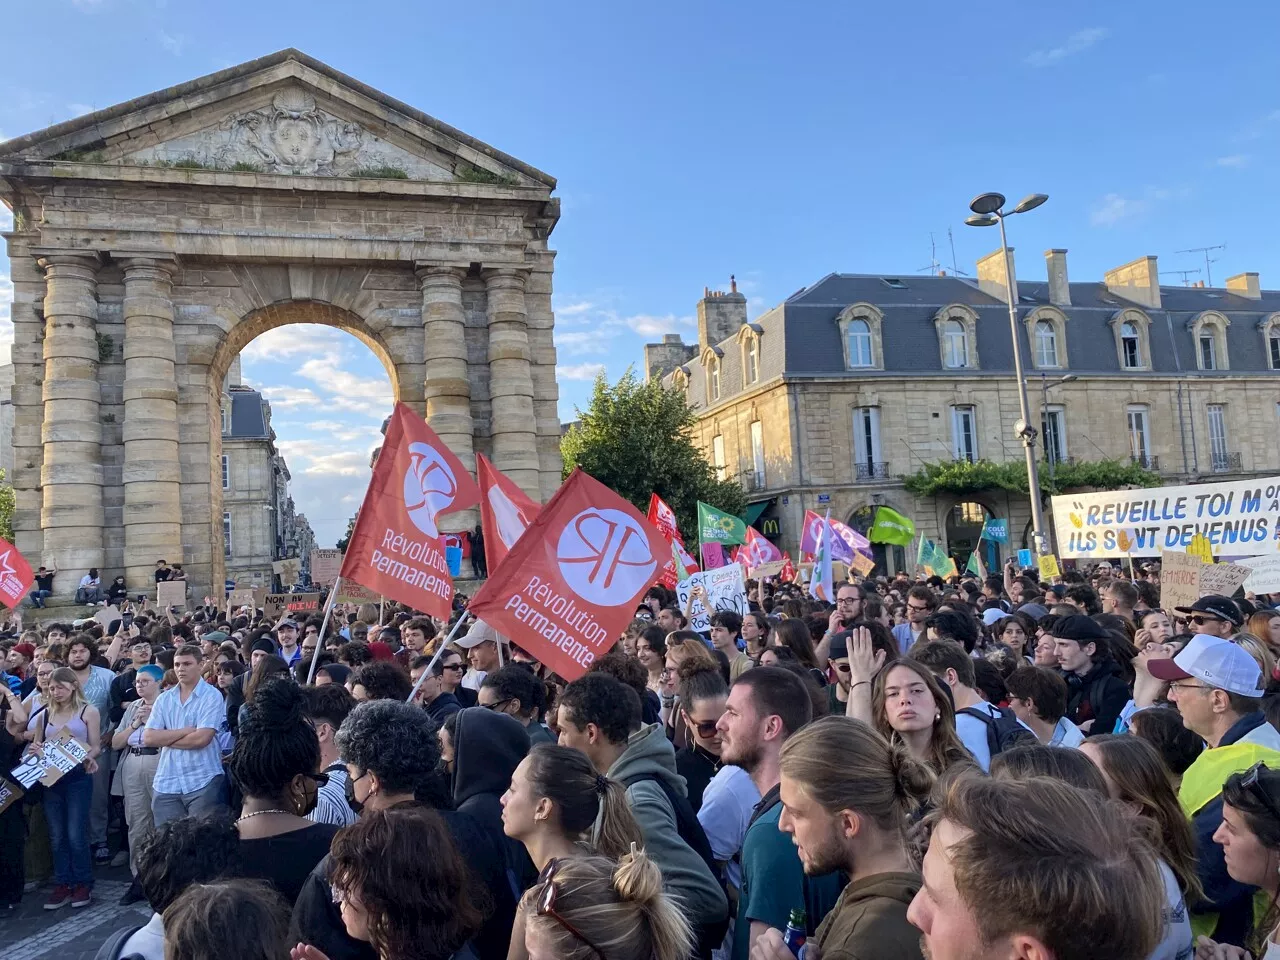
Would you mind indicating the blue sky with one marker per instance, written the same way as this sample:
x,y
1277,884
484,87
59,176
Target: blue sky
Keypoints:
x,y
777,142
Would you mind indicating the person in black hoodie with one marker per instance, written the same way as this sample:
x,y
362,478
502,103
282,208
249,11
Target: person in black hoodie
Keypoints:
x,y
1096,690
432,696
391,751
487,748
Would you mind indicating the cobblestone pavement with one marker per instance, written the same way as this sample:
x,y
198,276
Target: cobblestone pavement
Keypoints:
x,y
32,933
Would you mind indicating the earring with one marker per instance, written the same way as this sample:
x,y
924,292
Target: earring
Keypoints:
x,y
937,716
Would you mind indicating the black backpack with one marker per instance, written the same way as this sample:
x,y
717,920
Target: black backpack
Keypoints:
x,y
111,949
687,823
1003,730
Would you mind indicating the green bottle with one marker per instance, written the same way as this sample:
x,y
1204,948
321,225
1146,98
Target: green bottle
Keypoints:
x,y
795,934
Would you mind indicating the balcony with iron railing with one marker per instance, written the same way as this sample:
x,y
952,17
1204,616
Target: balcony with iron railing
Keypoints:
x,y
1225,463
870,472
1146,461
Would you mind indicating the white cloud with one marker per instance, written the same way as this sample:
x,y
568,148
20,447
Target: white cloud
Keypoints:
x,y
6,317
581,341
579,371
1078,42
292,340
292,398
1113,209
574,309
343,464
173,42
648,325
1235,160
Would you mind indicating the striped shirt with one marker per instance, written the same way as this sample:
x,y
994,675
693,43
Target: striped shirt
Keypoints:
x,y
186,771
331,799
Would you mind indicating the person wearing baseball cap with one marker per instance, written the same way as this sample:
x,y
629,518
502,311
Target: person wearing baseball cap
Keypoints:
x,y
480,647
1217,687
1214,616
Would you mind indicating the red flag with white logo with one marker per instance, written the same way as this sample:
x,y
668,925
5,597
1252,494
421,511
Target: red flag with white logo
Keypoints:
x,y
759,549
664,519
571,584
505,511
15,575
396,547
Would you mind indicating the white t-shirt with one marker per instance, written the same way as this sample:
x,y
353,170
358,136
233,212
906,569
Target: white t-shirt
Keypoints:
x,y
1177,943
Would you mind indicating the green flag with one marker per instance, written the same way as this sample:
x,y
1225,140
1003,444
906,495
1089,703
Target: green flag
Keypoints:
x,y
891,527
716,526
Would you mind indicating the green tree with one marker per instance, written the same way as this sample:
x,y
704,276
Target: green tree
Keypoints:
x,y
637,438
7,504
346,538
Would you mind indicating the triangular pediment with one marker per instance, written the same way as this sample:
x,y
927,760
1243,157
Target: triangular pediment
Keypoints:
x,y
286,113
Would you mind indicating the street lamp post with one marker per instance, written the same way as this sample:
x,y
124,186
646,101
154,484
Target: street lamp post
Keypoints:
x,y
988,212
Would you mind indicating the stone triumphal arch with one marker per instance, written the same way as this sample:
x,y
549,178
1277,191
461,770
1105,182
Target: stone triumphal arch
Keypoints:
x,y
152,240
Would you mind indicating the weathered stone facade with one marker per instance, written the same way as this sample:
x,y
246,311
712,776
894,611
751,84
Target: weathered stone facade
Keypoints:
x,y
153,240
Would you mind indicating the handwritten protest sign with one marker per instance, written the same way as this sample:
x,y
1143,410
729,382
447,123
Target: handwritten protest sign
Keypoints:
x,y
726,590
771,569
171,593
1264,574
287,569
1049,567
245,597
1222,579
1179,579
107,616
863,565
1239,517
51,762
325,565
274,604
352,592
10,792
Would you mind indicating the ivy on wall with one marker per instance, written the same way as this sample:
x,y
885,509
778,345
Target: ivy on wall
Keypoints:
x,y
963,476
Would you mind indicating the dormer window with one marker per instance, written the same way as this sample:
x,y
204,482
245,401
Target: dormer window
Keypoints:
x,y
955,345
860,336
1209,331
957,327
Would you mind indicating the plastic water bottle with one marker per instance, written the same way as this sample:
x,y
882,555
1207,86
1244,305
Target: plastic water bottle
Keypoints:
x,y
794,936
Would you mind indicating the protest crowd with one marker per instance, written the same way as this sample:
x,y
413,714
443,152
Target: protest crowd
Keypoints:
x,y
975,767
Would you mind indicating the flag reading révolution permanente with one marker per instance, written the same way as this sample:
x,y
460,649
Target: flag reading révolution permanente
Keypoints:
x,y
505,510
396,546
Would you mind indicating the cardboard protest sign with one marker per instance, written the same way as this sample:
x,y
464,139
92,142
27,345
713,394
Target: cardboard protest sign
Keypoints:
x,y
54,759
352,592
1049,567
1238,517
171,593
396,546
768,569
29,770
15,575
245,597
862,565
288,569
325,565
570,584
10,793
1264,574
107,616
274,604
1222,579
1179,580
726,590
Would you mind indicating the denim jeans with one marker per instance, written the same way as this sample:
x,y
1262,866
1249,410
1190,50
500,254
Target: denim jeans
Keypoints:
x,y
66,806
209,799
38,597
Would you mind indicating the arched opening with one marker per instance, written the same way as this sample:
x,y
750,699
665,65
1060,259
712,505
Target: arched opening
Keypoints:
x,y
889,558
964,531
299,393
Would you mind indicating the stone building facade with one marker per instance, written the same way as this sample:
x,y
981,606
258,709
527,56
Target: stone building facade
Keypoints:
x,y
828,399
154,239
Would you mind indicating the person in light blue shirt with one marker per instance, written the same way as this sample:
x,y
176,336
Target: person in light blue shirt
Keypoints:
x,y
184,724
922,602
1039,697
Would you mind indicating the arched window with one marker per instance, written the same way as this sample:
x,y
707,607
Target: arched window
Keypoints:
x,y
955,345
1273,343
1130,345
751,359
226,415
713,381
1046,344
859,343
1209,331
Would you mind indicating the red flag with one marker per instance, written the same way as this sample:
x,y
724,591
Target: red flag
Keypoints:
x,y
759,549
505,510
572,582
396,547
788,572
664,518
15,575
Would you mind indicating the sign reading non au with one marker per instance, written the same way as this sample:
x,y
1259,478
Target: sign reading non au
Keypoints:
x,y
274,604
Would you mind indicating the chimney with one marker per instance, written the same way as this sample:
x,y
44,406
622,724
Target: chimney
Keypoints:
x,y
991,275
662,358
1138,280
720,315
1059,289
1245,285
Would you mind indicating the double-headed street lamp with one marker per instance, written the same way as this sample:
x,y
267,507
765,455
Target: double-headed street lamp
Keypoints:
x,y
988,212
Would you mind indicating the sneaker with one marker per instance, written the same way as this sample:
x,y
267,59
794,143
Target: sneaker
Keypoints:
x,y
133,894
80,897
120,859
30,886
101,853
60,897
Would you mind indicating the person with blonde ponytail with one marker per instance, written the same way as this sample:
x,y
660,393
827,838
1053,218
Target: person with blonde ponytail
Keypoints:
x,y
594,908
847,797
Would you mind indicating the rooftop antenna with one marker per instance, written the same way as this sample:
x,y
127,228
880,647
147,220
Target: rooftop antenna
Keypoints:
x,y
1208,274
934,268
1182,273
954,269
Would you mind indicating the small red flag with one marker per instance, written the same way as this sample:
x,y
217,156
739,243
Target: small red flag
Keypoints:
x,y
396,547
505,511
788,572
664,519
571,584
15,575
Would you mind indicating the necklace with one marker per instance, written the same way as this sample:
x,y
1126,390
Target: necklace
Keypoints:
x,y
258,813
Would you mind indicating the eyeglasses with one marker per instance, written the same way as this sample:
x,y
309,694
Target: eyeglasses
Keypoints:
x,y
546,906
841,667
912,606
1251,780
451,666
849,600
1200,621
497,703
706,728
1188,686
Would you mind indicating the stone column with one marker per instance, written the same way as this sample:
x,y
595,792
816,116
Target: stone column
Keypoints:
x,y
152,475
447,385
514,428
71,513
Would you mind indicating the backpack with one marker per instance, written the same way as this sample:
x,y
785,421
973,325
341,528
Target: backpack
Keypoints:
x,y
687,823
1003,730
111,950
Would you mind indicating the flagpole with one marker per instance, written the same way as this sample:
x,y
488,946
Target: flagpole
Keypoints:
x,y
328,611
440,653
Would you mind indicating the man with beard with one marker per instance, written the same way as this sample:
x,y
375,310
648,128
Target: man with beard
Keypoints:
x,y
847,797
766,706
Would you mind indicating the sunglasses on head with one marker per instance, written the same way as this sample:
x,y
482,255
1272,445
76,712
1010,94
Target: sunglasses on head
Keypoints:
x,y
1251,780
546,904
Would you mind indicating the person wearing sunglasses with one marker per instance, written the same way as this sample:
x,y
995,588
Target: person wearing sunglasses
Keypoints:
x,y
595,908
1217,688
701,702
274,763
516,691
1249,836
1213,616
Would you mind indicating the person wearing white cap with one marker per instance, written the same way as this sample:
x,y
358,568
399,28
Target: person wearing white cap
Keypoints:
x,y
480,647
1218,690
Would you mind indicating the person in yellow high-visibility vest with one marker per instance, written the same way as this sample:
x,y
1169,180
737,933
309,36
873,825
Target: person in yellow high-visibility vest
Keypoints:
x,y
1218,689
